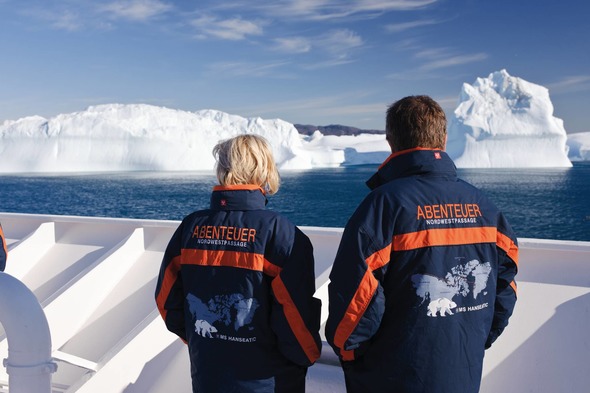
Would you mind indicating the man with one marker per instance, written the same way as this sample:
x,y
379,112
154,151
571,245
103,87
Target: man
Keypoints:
x,y
3,250
423,281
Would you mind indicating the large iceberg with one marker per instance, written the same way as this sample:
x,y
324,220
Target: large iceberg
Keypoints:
x,y
132,137
505,121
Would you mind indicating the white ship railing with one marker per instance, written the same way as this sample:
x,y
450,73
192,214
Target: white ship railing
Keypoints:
x,y
29,361
95,280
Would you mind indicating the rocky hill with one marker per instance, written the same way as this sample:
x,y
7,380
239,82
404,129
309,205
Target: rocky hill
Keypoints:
x,y
334,129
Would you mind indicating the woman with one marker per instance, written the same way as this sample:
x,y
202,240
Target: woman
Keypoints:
x,y
237,282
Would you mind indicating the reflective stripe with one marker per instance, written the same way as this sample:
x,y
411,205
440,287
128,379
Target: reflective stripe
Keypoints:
x,y
271,269
3,240
250,261
506,244
244,260
360,301
444,237
379,258
347,355
356,309
513,285
168,281
295,321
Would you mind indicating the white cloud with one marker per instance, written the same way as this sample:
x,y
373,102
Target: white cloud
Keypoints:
x,y
67,20
340,42
138,10
397,27
76,15
325,64
334,9
228,29
388,5
61,19
443,58
293,45
239,69
332,48
570,84
454,61
335,106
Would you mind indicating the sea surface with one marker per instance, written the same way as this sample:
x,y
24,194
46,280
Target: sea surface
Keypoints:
x,y
539,203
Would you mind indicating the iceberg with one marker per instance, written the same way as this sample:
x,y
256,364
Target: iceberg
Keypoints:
x,y
133,137
501,121
505,121
579,146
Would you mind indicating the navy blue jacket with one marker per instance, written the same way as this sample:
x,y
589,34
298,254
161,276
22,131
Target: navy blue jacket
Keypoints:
x,y
237,284
423,280
3,250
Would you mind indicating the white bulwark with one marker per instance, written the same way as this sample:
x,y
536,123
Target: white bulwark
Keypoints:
x,y
95,280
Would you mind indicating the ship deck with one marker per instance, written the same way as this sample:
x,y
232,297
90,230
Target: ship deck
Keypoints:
x,y
95,278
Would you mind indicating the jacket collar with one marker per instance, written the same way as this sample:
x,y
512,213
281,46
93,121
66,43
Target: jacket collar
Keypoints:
x,y
415,161
238,197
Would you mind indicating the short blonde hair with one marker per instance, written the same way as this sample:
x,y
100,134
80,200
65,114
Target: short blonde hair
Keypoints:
x,y
246,159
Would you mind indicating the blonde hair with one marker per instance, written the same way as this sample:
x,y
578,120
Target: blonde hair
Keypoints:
x,y
246,159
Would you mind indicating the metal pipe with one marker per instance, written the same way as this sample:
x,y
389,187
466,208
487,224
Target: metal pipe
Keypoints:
x,y
29,364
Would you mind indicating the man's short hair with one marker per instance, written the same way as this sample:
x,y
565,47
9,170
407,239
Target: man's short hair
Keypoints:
x,y
246,159
416,121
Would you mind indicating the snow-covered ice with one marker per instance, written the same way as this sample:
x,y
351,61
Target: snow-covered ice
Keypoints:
x,y
119,137
505,121
501,121
579,146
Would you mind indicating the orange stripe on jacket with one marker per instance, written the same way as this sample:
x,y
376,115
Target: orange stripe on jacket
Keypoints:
x,y
506,244
250,261
237,187
444,237
244,260
355,310
360,300
170,275
295,321
513,285
401,152
3,240
379,259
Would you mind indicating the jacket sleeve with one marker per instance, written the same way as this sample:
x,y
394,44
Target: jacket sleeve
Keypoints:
x,y
169,290
506,291
295,315
3,250
356,299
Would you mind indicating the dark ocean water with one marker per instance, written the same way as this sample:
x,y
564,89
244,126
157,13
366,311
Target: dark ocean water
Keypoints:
x,y
539,203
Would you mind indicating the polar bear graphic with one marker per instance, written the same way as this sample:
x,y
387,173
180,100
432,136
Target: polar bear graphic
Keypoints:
x,y
441,305
232,310
204,328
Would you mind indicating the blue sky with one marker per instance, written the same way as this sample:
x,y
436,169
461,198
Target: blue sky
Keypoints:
x,y
305,61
